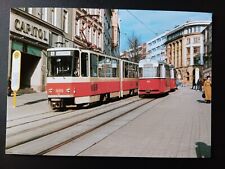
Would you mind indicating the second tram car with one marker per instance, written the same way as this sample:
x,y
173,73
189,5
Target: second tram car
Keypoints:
x,y
154,77
77,77
173,85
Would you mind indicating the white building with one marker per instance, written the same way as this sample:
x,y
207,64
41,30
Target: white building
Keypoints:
x,y
156,48
185,48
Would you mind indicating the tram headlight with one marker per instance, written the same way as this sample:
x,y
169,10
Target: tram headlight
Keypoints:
x,y
68,90
50,90
74,90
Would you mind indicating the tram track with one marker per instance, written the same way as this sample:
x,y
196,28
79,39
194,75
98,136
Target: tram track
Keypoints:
x,y
46,115
20,135
44,152
62,136
51,141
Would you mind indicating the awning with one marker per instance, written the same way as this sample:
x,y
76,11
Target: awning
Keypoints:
x,y
17,46
33,51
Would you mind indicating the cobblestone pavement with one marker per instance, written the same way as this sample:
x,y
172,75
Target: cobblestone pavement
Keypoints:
x,y
180,126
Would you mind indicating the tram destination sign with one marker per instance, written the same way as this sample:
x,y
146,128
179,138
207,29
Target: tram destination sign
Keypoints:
x,y
16,66
28,28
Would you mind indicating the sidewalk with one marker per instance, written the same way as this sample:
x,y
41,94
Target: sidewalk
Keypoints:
x,y
27,104
179,126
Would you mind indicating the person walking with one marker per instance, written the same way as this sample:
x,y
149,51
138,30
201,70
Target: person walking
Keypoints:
x,y
207,89
193,84
199,84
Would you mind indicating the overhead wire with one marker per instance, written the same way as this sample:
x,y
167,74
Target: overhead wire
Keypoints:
x,y
141,22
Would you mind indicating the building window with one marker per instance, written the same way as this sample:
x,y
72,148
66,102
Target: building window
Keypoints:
x,y
77,27
54,39
188,52
65,21
89,34
196,39
95,37
196,50
30,10
53,17
195,29
188,41
66,43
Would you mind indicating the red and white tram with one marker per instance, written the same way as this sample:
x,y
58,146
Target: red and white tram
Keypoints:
x,y
173,85
154,77
77,77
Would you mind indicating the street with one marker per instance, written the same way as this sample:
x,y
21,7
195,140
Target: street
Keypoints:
x,y
175,125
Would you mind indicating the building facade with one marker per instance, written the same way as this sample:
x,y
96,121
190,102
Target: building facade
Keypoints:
x,y
97,29
156,48
34,30
184,50
207,39
141,53
111,33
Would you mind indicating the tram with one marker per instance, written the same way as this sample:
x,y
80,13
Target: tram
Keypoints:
x,y
80,76
154,77
173,75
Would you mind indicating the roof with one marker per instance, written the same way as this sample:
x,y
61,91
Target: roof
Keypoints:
x,y
188,23
62,48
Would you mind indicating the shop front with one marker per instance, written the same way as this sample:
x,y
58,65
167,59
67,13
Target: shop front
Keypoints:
x,y
32,40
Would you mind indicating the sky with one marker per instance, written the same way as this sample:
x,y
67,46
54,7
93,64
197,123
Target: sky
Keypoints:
x,y
144,24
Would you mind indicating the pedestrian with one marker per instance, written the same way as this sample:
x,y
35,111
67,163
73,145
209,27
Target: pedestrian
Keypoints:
x,y
198,84
207,89
193,84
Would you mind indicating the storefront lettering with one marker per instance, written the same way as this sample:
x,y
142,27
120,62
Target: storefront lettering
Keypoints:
x,y
30,30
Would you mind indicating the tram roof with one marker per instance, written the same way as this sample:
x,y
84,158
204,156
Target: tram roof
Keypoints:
x,y
62,49
150,61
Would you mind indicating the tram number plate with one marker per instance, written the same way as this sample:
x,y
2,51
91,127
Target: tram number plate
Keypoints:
x,y
94,87
148,91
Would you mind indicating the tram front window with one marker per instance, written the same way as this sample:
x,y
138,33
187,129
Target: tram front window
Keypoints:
x,y
60,66
150,72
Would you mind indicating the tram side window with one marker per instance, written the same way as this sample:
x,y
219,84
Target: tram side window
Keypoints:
x,y
93,65
131,70
162,71
140,72
172,73
115,68
136,71
101,66
125,68
108,64
76,64
84,64
167,71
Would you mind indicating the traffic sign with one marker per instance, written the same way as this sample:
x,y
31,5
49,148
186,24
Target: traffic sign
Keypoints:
x,y
16,67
